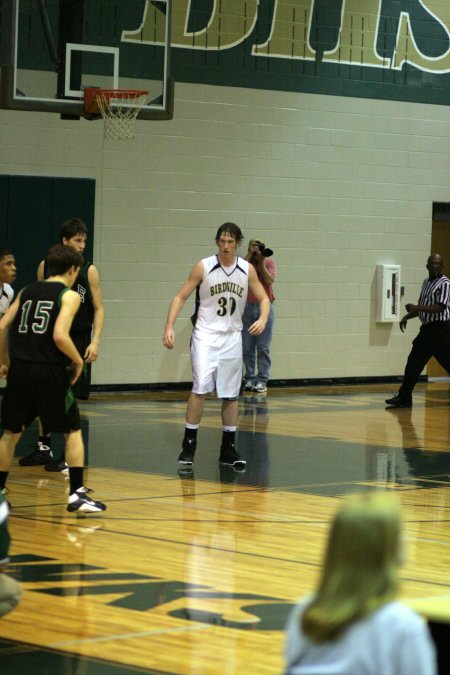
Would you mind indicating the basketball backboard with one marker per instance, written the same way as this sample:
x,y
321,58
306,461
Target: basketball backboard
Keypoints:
x,y
57,48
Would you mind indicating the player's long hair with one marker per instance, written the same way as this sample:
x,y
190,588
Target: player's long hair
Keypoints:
x,y
232,229
361,563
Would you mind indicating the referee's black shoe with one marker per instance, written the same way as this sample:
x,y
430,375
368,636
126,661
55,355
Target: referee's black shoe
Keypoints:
x,y
398,402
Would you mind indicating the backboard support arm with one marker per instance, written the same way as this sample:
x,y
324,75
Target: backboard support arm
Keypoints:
x,y
48,34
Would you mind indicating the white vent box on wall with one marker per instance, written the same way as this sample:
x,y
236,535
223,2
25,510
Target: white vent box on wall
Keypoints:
x,y
388,293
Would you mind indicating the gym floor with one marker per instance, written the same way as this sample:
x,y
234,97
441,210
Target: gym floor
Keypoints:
x,y
196,572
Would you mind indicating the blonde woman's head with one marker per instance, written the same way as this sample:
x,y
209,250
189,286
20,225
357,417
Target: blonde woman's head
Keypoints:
x,y
365,535
360,572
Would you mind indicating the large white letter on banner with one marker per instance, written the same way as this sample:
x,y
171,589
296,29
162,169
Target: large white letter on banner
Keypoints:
x,y
230,23
406,49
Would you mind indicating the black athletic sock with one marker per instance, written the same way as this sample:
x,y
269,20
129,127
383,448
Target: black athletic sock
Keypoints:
x,y
45,440
3,477
76,478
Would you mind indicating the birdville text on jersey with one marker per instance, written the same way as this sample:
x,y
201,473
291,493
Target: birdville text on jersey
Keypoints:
x,y
227,287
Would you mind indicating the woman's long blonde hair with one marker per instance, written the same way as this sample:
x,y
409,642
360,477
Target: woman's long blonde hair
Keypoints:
x,y
361,563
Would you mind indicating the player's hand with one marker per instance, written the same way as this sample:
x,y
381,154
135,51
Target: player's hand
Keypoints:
x,y
4,371
257,327
91,353
169,338
403,323
76,369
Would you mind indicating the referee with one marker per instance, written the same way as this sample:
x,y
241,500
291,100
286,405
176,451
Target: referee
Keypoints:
x,y
434,336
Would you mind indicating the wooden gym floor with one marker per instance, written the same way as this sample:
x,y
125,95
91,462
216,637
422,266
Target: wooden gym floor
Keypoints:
x,y
195,573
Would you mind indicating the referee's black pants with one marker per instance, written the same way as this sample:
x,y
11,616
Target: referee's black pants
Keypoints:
x,y
433,340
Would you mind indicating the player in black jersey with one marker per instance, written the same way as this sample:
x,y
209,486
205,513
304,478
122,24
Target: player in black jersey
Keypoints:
x,y
86,331
44,364
87,326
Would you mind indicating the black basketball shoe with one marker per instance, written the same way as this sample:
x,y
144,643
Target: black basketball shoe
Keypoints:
x,y
230,457
187,453
79,501
41,455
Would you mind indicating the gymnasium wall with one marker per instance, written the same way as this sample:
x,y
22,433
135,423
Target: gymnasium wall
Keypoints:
x,y
335,185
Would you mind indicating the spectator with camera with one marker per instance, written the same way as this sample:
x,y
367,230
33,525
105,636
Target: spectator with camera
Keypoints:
x,y
256,348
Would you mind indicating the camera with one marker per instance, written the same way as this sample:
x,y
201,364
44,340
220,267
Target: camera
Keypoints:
x,y
266,252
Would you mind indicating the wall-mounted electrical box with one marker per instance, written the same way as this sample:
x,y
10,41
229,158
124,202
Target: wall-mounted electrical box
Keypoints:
x,y
388,293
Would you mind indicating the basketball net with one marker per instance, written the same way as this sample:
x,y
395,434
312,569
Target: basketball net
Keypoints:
x,y
119,109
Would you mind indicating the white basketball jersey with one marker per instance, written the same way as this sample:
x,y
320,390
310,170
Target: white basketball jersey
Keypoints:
x,y
6,297
221,296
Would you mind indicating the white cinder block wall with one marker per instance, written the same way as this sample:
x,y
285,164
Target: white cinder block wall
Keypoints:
x,y
334,185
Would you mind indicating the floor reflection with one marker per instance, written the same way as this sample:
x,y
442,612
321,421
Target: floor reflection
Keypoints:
x,y
254,439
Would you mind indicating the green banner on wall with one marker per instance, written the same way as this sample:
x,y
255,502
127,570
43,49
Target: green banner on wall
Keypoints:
x,y
387,49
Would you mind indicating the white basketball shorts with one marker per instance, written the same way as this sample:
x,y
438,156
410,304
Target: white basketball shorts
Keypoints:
x,y
216,363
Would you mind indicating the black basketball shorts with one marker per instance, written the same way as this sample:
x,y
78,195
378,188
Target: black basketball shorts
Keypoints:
x,y
39,390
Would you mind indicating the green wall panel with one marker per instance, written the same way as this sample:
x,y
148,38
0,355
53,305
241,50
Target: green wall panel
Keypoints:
x,y
32,212
29,224
74,198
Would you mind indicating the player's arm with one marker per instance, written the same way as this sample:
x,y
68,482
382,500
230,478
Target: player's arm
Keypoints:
x,y
264,303
178,301
70,303
40,271
91,353
5,323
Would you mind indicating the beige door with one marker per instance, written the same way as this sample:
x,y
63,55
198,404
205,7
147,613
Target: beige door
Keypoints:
x,y
440,243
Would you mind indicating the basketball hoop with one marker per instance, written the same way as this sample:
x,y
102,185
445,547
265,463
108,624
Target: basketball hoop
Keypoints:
x,y
118,107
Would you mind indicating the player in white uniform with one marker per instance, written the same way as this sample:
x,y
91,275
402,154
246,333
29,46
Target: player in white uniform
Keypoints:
x,y
7,277
221,282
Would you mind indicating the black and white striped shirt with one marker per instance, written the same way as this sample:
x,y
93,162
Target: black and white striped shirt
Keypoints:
x,y
435,292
